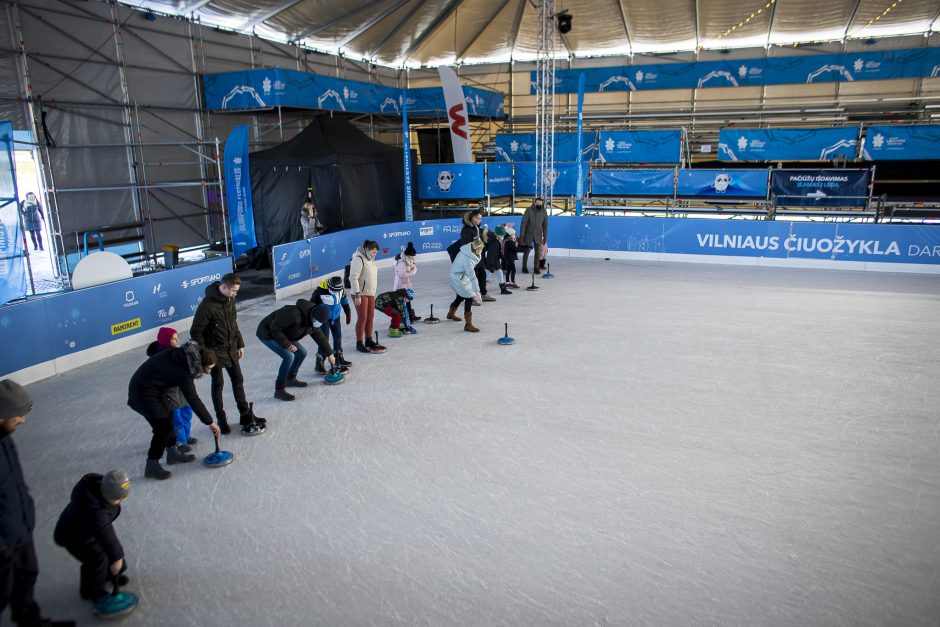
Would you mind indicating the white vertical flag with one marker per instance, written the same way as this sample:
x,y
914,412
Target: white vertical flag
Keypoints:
x,y
456,115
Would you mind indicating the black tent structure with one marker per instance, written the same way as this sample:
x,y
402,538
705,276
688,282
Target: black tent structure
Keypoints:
x,y
356,181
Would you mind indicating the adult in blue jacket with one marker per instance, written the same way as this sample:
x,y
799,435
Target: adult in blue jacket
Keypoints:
x,y
18,566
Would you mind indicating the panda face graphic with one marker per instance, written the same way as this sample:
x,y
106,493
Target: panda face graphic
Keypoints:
x,y
444,180
722,181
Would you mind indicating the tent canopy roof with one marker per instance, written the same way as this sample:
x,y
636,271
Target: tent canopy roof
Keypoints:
x,y
326,140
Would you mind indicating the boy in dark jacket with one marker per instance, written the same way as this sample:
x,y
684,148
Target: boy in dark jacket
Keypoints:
x,y
85,530
281,331
510,254
18,566
493,257
331,293
395,306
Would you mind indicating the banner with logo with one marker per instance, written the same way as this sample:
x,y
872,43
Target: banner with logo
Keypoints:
x,y
825,68
921,141
521,146
722,183
451,180
498,179
457,115
277,87
12,268
238,191
803,144
406,149
624,183
640,146
73,321
565,179
579,152
820,188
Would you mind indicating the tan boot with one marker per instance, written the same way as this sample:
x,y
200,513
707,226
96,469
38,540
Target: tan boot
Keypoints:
x,y
452,314
468,325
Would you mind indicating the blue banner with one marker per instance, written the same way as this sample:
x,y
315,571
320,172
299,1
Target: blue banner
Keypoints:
x,y
622,183
820,188
12,269
566,179
521,146
902,142
827,68
406,148
498,179
640,146
66,323
276,87
804,144
722,183
451,180
580,149
238,191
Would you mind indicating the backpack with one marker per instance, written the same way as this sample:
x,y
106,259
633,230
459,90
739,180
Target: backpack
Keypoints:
x,y
346,282
453,250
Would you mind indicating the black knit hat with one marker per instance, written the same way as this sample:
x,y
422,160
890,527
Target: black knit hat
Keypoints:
x,y
14,400
320,313
334,284
410,250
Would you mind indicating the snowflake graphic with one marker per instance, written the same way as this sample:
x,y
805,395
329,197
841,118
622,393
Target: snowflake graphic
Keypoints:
x,y
742,71
859,64
345,93
742,143
266,85
76,314
514,145
609,144
878,140
4,322
639,76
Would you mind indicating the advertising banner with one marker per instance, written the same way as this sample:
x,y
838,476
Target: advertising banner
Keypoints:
x,y
456,115
722,183
406,160
566,179
643,183
579,152
820,188
238,191
920,141
640,146
803,144
521,146
451,180
498,179
12,268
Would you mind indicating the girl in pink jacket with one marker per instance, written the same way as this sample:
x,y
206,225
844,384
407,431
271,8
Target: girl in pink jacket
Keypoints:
x,y
405,268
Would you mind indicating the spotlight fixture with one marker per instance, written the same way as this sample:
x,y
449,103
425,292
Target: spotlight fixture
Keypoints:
x,y
564,22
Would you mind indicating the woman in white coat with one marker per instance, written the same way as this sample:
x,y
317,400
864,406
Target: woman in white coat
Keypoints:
x,y
464,281
363,285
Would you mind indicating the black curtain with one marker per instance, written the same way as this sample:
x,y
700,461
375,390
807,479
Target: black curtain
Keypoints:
x,y
435,145
276,196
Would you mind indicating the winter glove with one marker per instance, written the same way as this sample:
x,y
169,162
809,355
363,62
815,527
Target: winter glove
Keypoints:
x,y
412,330
348,318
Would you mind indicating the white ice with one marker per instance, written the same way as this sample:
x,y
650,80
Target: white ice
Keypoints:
x,y
666,444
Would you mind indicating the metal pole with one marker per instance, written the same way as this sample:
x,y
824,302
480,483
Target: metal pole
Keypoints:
x,y
143,167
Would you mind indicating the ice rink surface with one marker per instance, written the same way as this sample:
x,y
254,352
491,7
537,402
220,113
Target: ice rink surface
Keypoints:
x,y
666,444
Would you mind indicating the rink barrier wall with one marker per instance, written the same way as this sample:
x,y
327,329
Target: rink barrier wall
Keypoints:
x,y
299,266
42,337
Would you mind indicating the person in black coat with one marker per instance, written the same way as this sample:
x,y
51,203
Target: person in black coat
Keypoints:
x,y
85,530
493,257
510,254
32,219
215,326
282,330
18,565
147,395
472,230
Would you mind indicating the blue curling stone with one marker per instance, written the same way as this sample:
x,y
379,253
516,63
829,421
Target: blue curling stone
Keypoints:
x,y
115,605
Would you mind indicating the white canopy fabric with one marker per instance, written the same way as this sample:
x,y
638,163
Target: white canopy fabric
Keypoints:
x,y
410,33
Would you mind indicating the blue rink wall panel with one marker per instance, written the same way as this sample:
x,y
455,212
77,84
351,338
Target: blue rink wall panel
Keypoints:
x,y
65,324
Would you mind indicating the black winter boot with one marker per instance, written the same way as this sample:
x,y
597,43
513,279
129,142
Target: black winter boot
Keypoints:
x,y
294,382
340,360
319,369
503,290
280,394
223,423
155,471
250,417
361,347
176,456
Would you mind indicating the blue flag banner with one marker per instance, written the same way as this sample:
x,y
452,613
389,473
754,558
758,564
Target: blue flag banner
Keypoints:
x,y
277,87
406,148
722,183
804,144
12,268
826,68
640,146
566,179
238,191
902,142
451,180
623,183
820,188
579,152
498,179
521,146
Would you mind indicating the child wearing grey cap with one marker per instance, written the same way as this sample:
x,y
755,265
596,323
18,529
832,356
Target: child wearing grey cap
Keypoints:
x,y
85,529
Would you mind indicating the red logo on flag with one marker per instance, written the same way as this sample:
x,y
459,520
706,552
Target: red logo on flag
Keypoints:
x,y
459,125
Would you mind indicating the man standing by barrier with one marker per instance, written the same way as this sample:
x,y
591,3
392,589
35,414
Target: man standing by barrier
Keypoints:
x,y
532,232
215,326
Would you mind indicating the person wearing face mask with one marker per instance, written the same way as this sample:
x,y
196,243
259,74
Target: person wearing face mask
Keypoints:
x,y
147,393
363,285
532,232
331,293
